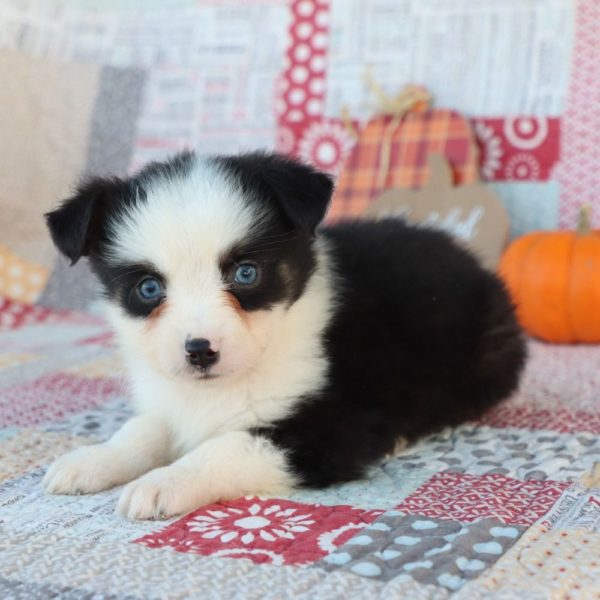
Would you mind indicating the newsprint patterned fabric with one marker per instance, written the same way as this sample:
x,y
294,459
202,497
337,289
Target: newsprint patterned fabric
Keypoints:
x,y
505,508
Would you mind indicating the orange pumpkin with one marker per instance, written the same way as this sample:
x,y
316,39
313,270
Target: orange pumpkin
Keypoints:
x,y
554,280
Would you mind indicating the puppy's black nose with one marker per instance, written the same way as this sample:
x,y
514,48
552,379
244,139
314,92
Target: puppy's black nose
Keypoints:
x,y
199,353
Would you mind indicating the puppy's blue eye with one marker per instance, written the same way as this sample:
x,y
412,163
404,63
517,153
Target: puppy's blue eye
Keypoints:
x,y
150,289
246,274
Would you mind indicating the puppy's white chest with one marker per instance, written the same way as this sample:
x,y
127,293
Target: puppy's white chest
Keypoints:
x,y
207,417
195,412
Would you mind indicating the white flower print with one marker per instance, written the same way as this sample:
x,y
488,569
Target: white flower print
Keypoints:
x,y
326,144
492,149
250,524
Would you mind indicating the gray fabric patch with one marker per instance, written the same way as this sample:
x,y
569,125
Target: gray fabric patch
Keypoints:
x,y
101,422
518,453
70,287
444,553
22,590
110,147
113,127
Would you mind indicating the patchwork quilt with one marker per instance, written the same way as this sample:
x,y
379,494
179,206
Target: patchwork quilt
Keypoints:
x,y
508,507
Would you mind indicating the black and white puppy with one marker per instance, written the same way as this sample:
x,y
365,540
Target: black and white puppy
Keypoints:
x,y
262,355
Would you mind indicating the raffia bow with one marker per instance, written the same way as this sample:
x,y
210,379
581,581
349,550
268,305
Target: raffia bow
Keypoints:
x,y
410,98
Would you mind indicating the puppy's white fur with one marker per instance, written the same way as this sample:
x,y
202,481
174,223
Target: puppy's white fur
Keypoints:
x,y
189,444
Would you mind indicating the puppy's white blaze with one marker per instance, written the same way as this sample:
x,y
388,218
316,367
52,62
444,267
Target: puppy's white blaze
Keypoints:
x,y
185,222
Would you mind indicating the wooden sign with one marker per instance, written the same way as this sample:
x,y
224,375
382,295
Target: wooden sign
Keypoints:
x,y
471,213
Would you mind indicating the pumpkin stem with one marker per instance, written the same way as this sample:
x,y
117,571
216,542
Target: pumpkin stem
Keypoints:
x,y
584,223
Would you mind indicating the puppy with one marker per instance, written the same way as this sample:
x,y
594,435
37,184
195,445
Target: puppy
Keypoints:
x,y
261,355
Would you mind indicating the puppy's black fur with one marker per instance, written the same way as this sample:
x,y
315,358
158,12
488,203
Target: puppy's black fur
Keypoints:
x,y
421,336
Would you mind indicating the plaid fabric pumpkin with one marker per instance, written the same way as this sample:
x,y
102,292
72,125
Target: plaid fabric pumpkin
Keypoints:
x,y
413,138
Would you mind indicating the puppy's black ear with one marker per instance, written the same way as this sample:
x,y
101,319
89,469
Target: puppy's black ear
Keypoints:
x,y
302,191
79,222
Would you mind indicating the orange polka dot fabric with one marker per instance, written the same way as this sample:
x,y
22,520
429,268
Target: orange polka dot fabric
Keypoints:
x,y
20,280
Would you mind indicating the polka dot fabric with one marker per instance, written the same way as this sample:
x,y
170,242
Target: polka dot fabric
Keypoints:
x,y
303,82
20,280
300,101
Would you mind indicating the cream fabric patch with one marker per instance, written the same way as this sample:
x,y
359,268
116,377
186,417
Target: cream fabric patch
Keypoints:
x,y
45,115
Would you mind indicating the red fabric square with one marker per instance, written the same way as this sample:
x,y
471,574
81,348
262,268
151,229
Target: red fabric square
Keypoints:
x,y
106,340
470,498
263,530
562,420
524,148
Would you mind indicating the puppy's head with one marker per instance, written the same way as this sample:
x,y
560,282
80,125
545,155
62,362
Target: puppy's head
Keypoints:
x,y
200,259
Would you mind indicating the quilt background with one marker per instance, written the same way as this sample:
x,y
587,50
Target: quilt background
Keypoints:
x,y
508,507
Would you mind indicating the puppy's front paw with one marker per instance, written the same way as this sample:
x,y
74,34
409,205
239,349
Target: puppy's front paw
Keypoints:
x,y
160,494
85,470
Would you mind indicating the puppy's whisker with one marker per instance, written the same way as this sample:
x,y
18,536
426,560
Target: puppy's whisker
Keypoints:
x,y
125,274
284,237
286,234
263,248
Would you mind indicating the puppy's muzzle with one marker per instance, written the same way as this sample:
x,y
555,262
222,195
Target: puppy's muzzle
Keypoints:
x,y
200,354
